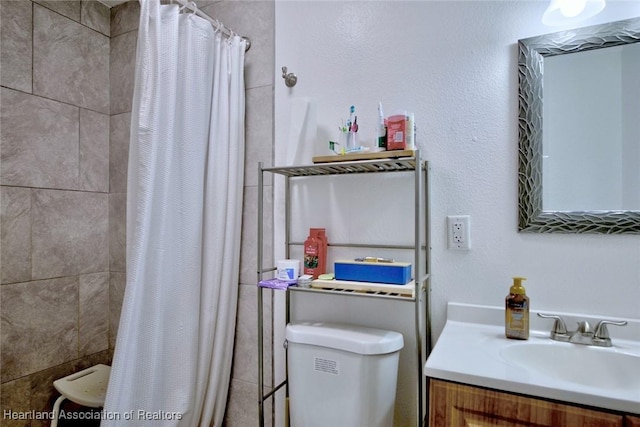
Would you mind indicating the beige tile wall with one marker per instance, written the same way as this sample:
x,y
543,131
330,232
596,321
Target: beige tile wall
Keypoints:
x,y
54,176
124,34
70,60
67,81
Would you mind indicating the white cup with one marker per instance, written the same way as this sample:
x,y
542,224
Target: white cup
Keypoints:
x,y
288,269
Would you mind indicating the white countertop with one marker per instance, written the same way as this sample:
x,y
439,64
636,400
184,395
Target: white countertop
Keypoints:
x,y
471,345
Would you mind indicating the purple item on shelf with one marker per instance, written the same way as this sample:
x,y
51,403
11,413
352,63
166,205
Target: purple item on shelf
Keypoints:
x,y
276,283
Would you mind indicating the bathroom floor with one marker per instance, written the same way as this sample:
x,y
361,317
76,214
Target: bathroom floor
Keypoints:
x,y
78,416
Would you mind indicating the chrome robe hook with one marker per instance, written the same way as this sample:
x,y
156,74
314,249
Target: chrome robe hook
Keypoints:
x,y
290,79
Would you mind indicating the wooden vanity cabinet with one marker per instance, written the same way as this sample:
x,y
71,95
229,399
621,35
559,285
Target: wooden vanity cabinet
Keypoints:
x,y
457,405
631,421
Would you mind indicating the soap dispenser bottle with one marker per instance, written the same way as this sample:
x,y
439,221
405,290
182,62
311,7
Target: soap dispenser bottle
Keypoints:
x,y
517,311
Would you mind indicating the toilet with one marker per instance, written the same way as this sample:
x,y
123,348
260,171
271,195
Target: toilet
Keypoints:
x,y
341,375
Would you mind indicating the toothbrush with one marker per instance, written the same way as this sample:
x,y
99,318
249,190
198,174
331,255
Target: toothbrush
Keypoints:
x,y
352,111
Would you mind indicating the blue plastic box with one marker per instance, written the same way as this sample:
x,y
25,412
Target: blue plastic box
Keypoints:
x,y
397,273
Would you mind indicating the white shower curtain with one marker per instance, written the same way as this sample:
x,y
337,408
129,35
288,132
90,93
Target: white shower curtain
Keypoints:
x,y
174,347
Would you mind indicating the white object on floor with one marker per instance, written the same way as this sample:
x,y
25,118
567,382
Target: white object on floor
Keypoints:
x,y
87,387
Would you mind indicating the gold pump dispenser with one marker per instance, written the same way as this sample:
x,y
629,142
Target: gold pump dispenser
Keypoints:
x,y
516,324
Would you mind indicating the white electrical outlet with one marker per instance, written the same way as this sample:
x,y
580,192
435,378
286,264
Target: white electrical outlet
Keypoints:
x,y
459,232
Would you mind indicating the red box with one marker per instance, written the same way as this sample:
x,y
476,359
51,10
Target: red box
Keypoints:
x,y
396,132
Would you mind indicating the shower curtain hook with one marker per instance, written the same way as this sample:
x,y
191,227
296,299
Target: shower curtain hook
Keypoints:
x,y
189,5
217,26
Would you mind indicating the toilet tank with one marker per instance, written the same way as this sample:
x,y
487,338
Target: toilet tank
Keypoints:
x,y
341,375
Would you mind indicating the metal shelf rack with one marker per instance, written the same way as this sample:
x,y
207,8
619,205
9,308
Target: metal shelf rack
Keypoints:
x,y
421,246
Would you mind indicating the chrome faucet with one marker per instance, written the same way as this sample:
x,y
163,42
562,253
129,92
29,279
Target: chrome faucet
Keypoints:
x,y
582,335
585,334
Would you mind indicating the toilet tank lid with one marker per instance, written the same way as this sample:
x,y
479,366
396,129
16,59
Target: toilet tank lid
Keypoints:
x,y
352,338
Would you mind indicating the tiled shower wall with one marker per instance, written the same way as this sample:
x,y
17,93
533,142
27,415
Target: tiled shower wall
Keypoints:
x,y
54,171
67,80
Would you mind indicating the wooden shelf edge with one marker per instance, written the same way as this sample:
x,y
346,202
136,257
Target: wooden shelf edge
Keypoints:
x,y
392,154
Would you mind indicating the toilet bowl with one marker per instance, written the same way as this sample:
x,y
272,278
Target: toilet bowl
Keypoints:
x,y
341,375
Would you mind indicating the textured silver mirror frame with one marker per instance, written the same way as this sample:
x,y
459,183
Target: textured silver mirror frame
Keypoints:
x,y
531,52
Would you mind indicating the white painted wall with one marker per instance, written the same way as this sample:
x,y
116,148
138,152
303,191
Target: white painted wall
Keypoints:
x,y
454,63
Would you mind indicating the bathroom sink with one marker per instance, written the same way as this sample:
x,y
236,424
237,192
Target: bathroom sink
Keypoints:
x,y
472,349
588,366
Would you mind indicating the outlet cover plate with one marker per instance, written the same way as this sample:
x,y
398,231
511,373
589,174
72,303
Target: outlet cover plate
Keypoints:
x,y
459,232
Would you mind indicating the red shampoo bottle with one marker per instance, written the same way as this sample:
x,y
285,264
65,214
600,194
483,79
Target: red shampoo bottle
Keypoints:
x,y
315,252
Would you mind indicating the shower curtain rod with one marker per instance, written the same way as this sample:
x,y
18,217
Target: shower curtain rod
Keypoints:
x,y
217,24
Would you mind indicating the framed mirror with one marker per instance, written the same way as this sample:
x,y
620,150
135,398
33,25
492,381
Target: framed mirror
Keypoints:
x,y
579,130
